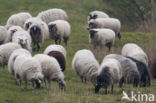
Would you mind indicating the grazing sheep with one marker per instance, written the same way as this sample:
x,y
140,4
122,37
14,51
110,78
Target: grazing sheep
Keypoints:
x,y
130,73
55,47
3,34
5,52
51,70
52,14
97,14
11,32
110,23
134,51
102,37
145,79
13,57
153,68
60,58
18,19
85,65
59,29
37,34
23,38
28,69
109,73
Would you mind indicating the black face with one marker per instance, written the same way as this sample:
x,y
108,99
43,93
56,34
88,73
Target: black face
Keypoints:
x,y
35,31
97,88
38,84
92,17
92,33
28,25
52,30
62,86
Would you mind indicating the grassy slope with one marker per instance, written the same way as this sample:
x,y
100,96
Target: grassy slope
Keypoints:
x,y
76,91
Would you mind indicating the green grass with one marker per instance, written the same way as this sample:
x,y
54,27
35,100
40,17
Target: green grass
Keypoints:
x,y
76,92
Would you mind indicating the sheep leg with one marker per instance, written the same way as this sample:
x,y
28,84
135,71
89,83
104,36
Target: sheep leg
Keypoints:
x,y
2,68
38,46
45,83
26,83
49,86
55,41
33,84
121,82
34,49
106,90
65,41
109,45
59,41
112,91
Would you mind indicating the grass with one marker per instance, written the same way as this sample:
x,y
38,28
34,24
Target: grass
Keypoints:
x,y
76,92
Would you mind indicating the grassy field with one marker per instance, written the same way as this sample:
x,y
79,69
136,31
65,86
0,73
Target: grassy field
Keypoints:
x,y
76,92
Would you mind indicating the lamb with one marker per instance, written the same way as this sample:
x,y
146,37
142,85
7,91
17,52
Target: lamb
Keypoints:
x,y
55,47
18,19
97,14
109,73
13,57
59,29
85,65
11,32
134,51
145,79
110,23
28,69
23,38
52,14
51,70
102,37
5,52
37,34
3,34
130,73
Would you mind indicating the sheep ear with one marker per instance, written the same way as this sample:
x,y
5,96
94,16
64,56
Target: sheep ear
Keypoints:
x,y
13,31
94,17
92,33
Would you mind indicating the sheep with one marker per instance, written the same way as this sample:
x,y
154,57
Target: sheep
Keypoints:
x,y
52,14
23,38
102,37
85,65
13,57
130,73
18,19
28,69
59,29
97,14
136,52
37,34
11,32
5,52
110,23
3,34
108,74
143,70
51,70
38,21
55,47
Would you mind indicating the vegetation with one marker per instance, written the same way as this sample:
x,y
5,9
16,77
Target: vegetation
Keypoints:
x,y
76,92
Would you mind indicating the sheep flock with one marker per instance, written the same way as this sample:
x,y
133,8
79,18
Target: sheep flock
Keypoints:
x,y
24,34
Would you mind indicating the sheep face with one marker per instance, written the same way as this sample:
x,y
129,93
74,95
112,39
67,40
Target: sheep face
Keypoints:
x,y
35,32
62,85
22,41
52,30
92,16
104,79
91,25
38,77
92,33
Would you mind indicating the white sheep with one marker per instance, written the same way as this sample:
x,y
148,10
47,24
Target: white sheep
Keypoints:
x,y
100,37
109,73
55,47
18,19
27,69
11,32
13,57
3,34
85,65
59,29
97,14
5,52
136,52
23,38
52,15
51,70
110,23
130,73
